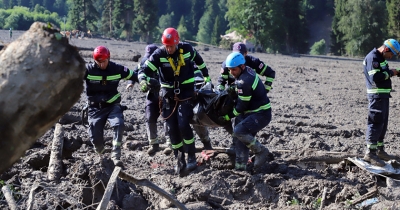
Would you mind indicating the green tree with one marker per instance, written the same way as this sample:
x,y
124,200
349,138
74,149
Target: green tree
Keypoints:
x,y
363,26
216,32
318,48
182,30
145,21
164,22
393,8
207,22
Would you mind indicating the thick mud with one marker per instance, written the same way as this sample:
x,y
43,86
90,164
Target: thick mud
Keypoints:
x,y
319,110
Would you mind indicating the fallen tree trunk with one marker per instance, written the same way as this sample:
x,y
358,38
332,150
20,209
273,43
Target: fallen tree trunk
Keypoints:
x,y
110,187
55,163
41,79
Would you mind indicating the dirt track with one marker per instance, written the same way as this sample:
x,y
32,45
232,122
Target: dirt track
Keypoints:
x,y
318,104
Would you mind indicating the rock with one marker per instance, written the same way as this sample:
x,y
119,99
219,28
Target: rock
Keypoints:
x,y
41,79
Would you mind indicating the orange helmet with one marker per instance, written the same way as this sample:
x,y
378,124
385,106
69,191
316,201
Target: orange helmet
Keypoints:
x,y
170,36
101,53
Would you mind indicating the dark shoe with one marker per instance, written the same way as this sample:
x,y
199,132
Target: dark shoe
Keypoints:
x,y
384,155
153,149
372,158
240,166
261,157
207,145
190,166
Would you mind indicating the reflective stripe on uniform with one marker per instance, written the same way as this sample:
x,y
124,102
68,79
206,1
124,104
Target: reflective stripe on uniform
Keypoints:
x,y
114,98
177,146
150,65
379,90
189,141
263,107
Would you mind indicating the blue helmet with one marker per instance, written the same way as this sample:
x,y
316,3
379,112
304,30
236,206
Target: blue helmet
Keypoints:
x,y
234,59
393,45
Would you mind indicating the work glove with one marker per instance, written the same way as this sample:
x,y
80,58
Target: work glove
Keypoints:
x,y
144,86
221,87
224,118
268,86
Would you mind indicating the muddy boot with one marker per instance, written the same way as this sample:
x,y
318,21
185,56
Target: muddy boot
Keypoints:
x,y
191,162
240,166
371,157
168,149
116,157
181,162
153,149
260,152
384,155
203,134
190,165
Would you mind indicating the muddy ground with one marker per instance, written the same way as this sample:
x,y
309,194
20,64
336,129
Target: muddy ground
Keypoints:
x,y
319,110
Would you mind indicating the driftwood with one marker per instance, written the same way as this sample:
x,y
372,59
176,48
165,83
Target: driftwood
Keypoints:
x,y
366,196
41,79
55,163
149,184
29,203
109,189
9,197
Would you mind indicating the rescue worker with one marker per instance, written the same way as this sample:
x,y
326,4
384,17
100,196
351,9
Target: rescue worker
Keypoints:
x,y
152,105
252,112
377,77
153,112
10,33
173,61
255,63
102,78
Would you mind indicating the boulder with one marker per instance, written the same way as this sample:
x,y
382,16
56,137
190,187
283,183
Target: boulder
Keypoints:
x,y
41,78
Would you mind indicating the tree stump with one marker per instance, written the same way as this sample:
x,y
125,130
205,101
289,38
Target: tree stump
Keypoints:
x,y
41,78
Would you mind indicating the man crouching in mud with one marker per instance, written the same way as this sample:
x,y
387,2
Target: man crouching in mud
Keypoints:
x,y
252,112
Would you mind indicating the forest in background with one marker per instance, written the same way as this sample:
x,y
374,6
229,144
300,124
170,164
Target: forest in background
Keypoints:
x,y
279,26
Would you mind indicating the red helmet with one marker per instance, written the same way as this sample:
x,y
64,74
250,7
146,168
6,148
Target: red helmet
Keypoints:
x,y
170,36
101,53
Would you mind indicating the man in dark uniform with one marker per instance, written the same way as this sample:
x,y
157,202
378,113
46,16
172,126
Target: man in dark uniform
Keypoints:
x,y
174,63
153,111
252,112
260,67
379,85
256,64
152,104
102,78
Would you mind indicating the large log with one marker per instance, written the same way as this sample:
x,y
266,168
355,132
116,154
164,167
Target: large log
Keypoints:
x,y
55,164
41,78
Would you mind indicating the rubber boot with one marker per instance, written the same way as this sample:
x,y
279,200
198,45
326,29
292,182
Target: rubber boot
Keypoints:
x,y
203,134
181,162
191,162
151,129
153,149
116,157
260,152
240,166
168,148
371,157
